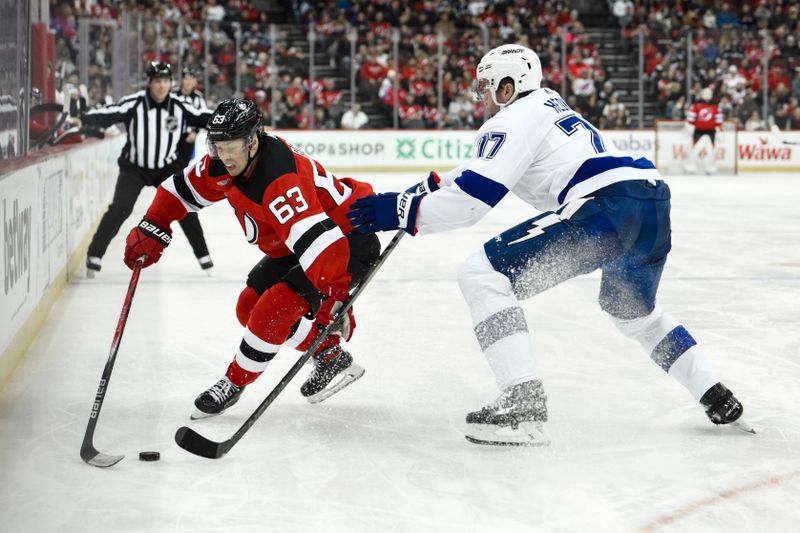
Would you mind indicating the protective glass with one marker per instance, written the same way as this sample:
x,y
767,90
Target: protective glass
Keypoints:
x,y
232,148
480,89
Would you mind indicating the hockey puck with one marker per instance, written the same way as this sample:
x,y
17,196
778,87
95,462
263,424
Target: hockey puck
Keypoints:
x,y
149,456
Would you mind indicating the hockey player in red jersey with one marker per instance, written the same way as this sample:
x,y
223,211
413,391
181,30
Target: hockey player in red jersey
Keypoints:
x,y
704,119
295,212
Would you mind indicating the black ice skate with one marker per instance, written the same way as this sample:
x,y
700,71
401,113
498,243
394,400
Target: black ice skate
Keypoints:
x,y
516,418
722,408
330,376
93,265
206,264
222,395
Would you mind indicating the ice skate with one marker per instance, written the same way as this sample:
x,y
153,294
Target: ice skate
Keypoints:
x,y
92,266
516,418
206,264
334,370
216,400
723,408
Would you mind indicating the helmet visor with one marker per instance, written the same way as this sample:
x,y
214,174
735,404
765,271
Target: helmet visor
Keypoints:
x,y
231,148
480,89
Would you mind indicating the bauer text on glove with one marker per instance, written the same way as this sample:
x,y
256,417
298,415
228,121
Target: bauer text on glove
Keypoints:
x,y
385,212
147,240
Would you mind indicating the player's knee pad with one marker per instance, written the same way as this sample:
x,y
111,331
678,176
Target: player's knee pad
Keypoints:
x,y
660,334
244,306
485,290
276,312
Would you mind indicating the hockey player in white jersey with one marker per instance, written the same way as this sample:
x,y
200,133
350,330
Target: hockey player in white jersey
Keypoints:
x,y
601,209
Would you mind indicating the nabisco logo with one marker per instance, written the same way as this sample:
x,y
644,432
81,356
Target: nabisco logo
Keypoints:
x,y
761,151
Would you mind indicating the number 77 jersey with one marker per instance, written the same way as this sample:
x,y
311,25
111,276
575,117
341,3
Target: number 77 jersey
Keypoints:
x,y
538,148
287,203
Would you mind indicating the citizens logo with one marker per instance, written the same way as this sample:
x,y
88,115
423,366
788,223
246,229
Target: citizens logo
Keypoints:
x,y
406,148
438,149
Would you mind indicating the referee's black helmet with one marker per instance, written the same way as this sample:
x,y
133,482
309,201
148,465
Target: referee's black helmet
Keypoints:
x,y
158,69
236,118
190,71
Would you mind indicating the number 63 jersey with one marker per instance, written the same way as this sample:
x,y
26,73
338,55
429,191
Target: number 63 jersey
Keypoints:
x,y
286,203
539,149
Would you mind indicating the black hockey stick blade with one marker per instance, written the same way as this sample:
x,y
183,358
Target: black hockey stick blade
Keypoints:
x,y
193,442
89,453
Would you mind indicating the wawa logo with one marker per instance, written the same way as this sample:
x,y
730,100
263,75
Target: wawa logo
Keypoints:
x,y
681,152
16,245
763,152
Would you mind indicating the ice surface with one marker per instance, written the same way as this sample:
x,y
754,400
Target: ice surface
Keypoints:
x,y
631,450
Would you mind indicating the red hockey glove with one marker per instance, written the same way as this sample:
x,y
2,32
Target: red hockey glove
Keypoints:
x,y
335,296
148,239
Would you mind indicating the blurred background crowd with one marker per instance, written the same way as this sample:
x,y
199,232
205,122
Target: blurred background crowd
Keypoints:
x,y
387,63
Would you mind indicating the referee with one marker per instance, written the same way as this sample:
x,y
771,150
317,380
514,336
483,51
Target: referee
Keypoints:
x,y
156,121
187,92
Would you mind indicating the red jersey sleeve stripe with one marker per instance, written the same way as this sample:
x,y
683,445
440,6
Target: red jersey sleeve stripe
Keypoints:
x,y
181,193
319,243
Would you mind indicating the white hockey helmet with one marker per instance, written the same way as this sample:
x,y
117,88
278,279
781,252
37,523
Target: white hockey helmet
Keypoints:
x,y
707,94
513,61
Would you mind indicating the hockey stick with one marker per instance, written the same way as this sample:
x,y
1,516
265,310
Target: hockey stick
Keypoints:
x,y
88,452
193,442
776,132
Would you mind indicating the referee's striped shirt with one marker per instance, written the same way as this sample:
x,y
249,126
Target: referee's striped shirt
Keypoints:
x,y
196,98
154,130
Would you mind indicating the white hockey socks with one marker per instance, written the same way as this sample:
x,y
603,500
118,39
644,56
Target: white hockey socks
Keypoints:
x,y
672,348
499,321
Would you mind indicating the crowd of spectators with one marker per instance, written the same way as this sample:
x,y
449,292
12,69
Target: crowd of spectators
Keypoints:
x,y
460,33
728,43
214,36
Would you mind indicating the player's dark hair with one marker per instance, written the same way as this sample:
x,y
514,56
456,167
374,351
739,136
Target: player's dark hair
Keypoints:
x,y
510,80
504,81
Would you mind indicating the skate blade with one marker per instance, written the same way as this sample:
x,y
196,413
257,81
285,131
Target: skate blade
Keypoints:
x,y
526,434
90,274
200,415
343,379
741,425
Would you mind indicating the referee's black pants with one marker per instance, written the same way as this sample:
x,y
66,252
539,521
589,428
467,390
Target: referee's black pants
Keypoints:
x,y
130,183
